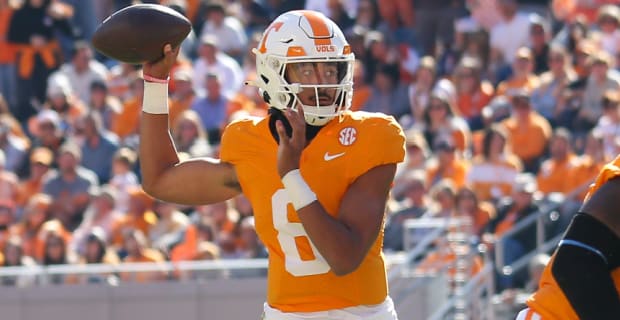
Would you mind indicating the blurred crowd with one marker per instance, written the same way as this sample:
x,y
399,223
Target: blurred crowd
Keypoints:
x,y
505,105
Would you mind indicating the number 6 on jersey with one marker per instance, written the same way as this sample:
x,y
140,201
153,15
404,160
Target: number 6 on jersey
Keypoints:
x,y
287,232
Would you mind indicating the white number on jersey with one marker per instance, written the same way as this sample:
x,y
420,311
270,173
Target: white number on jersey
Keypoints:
x,y
287,232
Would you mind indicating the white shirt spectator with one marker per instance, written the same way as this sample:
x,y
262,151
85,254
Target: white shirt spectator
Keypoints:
x,y
508,36
227,69
230,35
80,82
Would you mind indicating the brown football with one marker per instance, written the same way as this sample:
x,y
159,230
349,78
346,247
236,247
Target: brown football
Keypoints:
x,y
138,33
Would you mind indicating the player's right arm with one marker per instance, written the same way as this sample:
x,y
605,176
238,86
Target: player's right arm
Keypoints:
x,y
194,182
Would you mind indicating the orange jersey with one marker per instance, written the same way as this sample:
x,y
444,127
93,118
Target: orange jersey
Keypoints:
x,y
299,279
549,301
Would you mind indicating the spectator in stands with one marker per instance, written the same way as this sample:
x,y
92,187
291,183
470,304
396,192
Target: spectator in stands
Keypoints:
x,y
522,76
226,29
555,171
361,88
434,22
126,123
121,78
608,23
416,156
535,269
31,224
170,226
212,61
190,136
123,178
539,43
492,172
7,218
70,186
41,159
442,122
248,102
98,146
386,95
9,188
81,71
55,253
414,204
443,194
473,92
507,37
15,148
608,125
33,32
367,15
96,251
419,92
183,96
103,103
553,83
528,132
601,79
47,131
61,98
221,217
212,108
139,215
589,164
13,254
337,11
7,55
509,212
479,212
136,246
448,165
101,215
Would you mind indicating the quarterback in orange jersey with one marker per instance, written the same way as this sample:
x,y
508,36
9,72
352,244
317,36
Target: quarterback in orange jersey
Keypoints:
x,y
582,280
317,174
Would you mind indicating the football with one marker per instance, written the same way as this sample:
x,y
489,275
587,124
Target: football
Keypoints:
x,y
138,33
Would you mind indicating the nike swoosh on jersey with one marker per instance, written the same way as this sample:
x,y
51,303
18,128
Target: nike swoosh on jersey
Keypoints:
x,y
329,157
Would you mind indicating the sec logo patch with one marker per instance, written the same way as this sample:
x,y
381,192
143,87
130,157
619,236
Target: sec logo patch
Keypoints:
x,y
347,136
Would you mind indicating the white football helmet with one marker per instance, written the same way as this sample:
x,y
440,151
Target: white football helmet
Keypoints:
x,y
304,36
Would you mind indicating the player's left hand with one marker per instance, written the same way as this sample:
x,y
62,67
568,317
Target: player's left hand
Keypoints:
x,y
289,149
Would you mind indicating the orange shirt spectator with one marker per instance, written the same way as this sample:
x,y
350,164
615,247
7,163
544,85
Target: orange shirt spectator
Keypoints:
x,y
135,243
523,76
7,50
528,131
41,159
448,166
555,172
139,216
473,93
126,122
554,175
33,220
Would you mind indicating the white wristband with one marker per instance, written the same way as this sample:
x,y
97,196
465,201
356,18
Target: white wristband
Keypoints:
x,y
155,98
300,193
